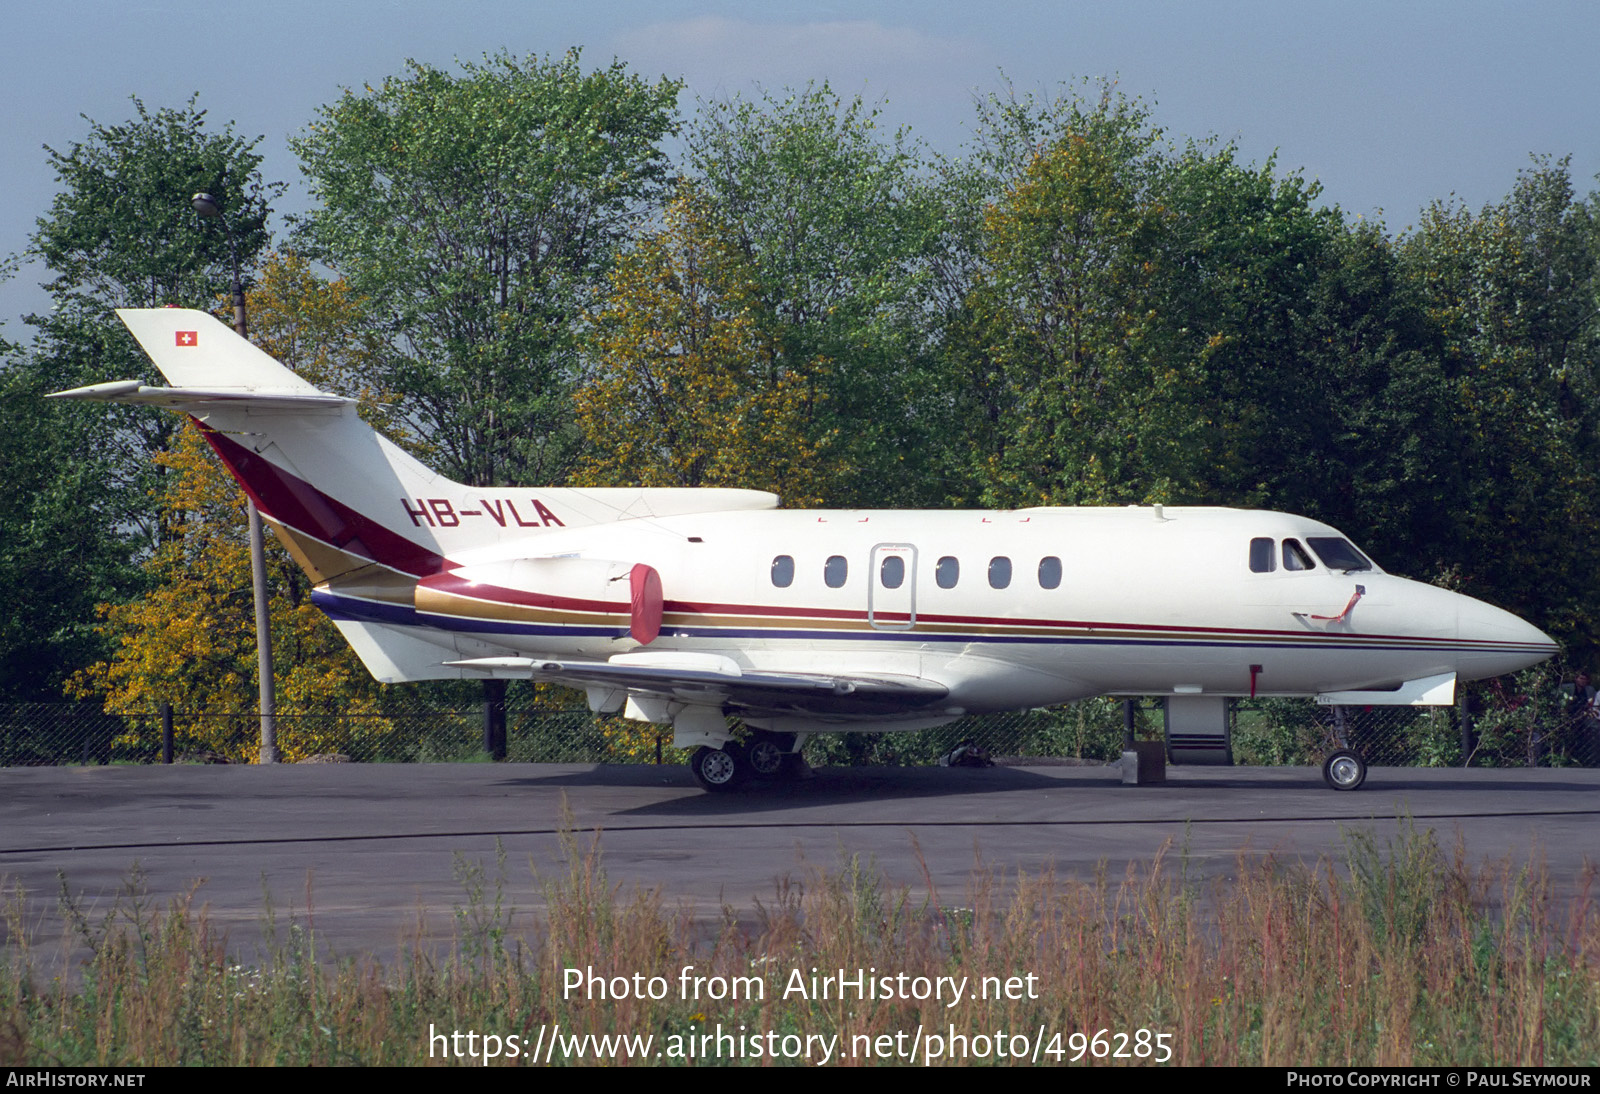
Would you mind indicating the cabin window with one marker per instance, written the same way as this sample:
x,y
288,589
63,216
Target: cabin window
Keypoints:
x,y
893,572
1050,573
1261,556
783,571
999,572
835,570
1338,554
1295,557
947,572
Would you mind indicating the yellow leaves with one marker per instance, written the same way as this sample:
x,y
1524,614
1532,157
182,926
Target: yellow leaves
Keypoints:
x,y
691,385
190,641
630,740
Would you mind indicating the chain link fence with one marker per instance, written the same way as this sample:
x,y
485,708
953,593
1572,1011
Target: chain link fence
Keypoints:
x,y
1498,731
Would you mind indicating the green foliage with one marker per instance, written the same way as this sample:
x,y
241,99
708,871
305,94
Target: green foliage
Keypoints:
x,y
78,508
1368,461
121,231
1137,327
842,228
1066,341
60,554
477,213
1512,291
1090,730
1396,886
1279,732
690,383
1243,251
1523,721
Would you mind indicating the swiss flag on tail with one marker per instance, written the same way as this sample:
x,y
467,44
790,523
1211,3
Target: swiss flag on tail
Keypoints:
x,y
188,338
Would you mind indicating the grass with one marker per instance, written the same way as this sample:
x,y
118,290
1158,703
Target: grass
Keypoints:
x,y
1398,953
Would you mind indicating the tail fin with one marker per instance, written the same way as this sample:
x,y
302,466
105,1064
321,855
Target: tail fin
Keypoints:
x,y
343,496
364,519
195,350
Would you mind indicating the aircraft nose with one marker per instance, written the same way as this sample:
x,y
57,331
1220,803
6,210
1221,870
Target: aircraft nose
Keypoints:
x,y
1495,642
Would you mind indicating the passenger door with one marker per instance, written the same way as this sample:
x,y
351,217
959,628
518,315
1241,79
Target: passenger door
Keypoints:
x,y
892,587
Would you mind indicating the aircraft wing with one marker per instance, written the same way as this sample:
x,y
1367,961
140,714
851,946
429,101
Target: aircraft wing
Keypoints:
x,y
820,694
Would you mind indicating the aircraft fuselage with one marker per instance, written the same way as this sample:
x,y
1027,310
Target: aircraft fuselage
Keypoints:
x,y
1007,609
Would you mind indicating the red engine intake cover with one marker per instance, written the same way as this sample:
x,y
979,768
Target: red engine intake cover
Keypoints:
x,y
646,586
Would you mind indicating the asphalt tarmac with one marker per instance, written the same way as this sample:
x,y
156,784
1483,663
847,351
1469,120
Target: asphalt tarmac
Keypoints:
x,y
373,856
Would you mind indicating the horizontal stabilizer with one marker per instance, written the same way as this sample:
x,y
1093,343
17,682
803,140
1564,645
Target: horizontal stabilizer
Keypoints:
x,y
193,399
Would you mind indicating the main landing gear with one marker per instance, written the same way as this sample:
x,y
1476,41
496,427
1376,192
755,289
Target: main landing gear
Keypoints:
x,y
1344,770
764,757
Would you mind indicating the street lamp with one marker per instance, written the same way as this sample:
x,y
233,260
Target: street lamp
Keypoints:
x,y
208,207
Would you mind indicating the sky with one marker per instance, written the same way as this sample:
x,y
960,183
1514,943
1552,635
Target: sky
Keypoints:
x,y
1388,105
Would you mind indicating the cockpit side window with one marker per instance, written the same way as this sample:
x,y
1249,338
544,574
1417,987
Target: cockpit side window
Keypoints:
x,y
1338,554
1261,555
1295,557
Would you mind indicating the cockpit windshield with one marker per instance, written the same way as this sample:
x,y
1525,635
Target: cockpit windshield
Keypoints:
x,y
1338,554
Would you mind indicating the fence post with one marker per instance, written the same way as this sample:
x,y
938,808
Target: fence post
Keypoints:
x,y
166,733
1127,725
494,718
1464,717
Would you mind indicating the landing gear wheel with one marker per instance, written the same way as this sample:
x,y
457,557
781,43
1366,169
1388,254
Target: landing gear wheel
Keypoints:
x,y
768,755
717,769
1344,770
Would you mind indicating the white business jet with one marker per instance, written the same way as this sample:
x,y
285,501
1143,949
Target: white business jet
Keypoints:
x,y
685,606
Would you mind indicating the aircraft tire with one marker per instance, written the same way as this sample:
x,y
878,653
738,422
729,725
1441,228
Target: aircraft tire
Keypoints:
x,y
1344,770
718,769
768,754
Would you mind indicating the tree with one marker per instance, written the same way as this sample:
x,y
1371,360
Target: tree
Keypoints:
x,y
59,551
1512,290
1244,250
120,233
1077,395
321,330
842,230
1371,453
690,383
478,214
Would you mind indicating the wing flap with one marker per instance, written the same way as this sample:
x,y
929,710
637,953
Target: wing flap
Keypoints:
x,y
728,685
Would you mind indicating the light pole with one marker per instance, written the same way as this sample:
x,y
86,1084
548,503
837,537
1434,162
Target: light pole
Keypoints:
x,y
207,207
